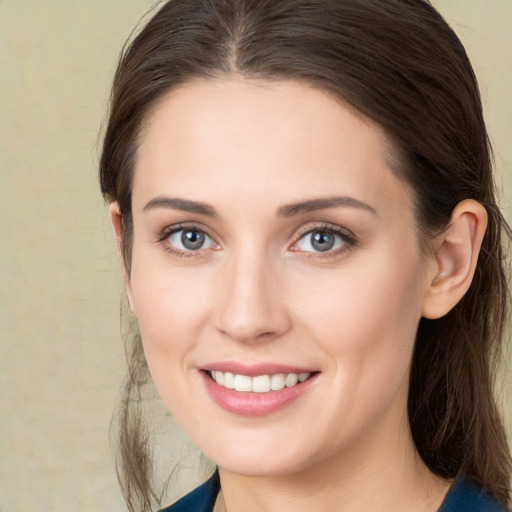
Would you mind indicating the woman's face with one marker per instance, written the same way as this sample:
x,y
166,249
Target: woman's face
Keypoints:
x,y
274,245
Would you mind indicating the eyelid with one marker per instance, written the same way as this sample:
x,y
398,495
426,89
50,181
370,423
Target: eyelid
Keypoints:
x,y
173,228
348,237
166,232
324,226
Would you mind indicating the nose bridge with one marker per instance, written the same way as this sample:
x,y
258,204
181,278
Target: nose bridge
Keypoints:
x,y
252,307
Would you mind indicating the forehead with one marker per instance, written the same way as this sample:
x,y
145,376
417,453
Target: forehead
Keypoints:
x,y
282,140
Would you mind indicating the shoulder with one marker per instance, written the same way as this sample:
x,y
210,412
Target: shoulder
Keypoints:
x,y
464,496
201,499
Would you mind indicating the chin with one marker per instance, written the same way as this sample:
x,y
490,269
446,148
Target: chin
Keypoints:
x,y
261,460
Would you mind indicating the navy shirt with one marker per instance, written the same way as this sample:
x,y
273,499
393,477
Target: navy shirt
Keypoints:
x,y
463,496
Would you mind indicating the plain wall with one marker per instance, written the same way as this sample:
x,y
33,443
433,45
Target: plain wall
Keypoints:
x,y
61,354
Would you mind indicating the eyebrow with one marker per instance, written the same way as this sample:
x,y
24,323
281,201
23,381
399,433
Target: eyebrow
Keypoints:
x,y
323,203
185,205
289,210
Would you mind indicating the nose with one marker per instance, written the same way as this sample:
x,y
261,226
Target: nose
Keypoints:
x,y
252,308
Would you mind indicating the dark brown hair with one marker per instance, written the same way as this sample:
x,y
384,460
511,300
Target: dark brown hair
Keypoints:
x,y
398,63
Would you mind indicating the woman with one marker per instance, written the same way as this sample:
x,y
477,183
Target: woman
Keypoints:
x,y
301,191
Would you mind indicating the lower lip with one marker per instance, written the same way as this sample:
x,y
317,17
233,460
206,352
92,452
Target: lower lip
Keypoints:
x,y
254,404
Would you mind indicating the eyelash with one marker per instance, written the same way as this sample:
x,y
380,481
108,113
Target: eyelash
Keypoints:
x,y
171,230
348,239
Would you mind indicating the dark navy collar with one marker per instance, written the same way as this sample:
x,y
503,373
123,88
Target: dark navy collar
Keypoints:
x,y
463,496
201,499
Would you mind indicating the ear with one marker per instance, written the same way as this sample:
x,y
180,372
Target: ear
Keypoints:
x,y
455,258
117,227
115,221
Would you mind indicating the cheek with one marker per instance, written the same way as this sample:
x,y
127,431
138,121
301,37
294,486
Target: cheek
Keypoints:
x,y
171,316
366,317
366,326
171,306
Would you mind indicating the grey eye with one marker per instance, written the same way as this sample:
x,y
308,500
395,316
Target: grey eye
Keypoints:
x,y
320,241
190,240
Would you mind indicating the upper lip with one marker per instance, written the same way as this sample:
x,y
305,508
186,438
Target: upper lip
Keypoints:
x,y
253,370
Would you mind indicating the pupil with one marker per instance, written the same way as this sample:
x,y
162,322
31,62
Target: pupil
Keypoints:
x,y
192,239
322,241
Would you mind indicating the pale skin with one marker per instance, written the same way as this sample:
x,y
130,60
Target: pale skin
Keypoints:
x,y
255,168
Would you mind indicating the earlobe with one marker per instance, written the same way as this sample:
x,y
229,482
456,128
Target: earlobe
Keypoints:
x,y
117,227
456,257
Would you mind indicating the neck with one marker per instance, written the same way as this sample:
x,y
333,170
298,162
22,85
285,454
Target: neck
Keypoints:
x,y
382,473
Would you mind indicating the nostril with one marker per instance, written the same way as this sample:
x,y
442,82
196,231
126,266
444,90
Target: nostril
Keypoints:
x,y
265,334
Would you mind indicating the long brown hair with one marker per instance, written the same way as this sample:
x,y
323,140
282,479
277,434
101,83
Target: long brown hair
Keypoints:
x,y
398,63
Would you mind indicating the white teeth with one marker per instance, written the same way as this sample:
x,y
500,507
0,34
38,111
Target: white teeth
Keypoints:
x,y
229,380
219,377
260,383
243,383
277,381
291,380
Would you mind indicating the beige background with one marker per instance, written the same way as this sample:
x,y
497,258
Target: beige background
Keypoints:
x,y
61,357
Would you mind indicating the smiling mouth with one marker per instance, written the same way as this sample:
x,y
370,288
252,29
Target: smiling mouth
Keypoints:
x,y
258,383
